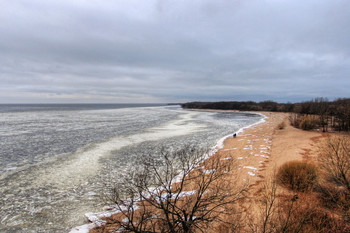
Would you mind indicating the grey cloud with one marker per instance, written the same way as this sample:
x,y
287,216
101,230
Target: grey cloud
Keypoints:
x,y
170,51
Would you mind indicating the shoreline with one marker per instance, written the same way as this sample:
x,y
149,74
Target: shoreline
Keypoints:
x,y
264,147
221,142
258,148
96,219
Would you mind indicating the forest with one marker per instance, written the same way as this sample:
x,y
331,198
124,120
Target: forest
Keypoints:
x,y
313,114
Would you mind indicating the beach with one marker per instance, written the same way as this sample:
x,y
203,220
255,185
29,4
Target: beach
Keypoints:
x,y
262,148
257,151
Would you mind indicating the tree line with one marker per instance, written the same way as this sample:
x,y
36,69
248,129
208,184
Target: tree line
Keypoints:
x,y
319,112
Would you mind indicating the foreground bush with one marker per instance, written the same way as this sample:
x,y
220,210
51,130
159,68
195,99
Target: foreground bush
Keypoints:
x,y
287,212
335,197
298,176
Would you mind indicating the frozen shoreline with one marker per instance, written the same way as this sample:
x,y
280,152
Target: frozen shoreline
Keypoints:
x,y
96,218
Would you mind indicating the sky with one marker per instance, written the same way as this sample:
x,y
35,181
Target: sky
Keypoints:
x,y
161,51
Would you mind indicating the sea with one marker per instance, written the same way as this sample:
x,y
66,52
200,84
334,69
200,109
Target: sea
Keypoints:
x,y
56,159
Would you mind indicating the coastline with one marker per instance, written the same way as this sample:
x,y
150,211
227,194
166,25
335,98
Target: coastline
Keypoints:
x,y
258,149
262,148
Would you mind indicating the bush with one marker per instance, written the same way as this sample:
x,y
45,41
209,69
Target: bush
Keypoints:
x,y
281,125
298,176
334,197
308,122
303,214
305,122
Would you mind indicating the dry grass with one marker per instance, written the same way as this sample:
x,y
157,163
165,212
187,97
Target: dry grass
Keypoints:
x,y
298,176
305,122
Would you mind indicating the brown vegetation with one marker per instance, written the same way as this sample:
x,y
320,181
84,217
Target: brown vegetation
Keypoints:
x,y
305,122
281,125
301,197
298,176
335,159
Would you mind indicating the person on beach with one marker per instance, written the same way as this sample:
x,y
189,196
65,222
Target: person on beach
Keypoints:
x,y
234,135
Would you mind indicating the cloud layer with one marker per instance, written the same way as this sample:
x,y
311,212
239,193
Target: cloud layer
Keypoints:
x,y
173,51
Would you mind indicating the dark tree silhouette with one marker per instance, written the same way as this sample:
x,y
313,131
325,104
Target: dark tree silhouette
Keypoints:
x,y
176,192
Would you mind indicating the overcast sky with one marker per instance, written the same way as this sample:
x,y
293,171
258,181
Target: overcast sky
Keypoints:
x,y
136,51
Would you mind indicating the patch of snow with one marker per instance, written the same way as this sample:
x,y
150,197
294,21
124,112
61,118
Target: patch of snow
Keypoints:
x,y
209,171
248,147
250,167
166,196
229,149
251,173
264,156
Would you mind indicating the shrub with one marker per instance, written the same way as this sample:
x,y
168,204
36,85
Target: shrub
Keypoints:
x,y
303,214
294,119
308,122
298,176
281,125
305,122
334,197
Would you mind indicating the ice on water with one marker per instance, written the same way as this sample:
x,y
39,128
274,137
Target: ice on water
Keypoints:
x,y
53,163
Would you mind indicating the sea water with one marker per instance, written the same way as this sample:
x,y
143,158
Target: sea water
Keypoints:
x,y
55,160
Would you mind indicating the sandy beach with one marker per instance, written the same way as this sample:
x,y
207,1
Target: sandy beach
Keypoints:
x,y
259,150
262,148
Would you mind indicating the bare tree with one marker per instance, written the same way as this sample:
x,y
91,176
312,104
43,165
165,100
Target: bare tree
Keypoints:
x,y
178,191
285,211
262,217
334,157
